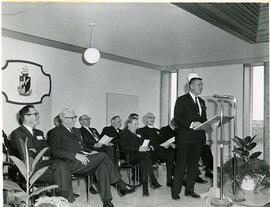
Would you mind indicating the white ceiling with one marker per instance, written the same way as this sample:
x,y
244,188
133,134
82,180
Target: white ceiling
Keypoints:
x,y
158,33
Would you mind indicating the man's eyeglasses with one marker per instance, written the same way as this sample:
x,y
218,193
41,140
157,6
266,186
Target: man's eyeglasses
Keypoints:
x,y
70,117
151,117
35,114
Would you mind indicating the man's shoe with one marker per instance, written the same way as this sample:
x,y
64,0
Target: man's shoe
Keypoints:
x,y
128,190
93,190
192,194
200,180
209,174
175,196
155,185
145,193
135,187
108,204
75,195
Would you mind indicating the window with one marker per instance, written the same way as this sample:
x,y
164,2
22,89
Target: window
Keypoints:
x,y
258,106
173,92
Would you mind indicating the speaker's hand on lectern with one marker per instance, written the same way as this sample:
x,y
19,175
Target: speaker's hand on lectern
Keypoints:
x,y
195,124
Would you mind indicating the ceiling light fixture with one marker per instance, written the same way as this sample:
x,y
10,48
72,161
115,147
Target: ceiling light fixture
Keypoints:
x,y
91,55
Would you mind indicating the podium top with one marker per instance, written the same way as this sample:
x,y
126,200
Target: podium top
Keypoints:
x,y
208,124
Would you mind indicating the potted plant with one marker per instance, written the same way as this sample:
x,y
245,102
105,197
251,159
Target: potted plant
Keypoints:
x,y
251,171
27,169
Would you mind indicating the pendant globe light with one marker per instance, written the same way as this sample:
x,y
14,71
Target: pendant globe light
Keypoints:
x,y
91,55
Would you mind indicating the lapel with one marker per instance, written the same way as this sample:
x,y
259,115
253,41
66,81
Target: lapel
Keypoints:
x,y
31,143
26,131
88,134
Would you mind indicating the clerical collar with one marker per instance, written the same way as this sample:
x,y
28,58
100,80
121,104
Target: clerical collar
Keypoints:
x,y
150,126
30,129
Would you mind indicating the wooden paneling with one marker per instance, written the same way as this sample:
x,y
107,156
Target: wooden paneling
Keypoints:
x,y
247,21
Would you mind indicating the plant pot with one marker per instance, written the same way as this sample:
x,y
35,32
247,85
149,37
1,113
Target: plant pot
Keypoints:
x,y
250,183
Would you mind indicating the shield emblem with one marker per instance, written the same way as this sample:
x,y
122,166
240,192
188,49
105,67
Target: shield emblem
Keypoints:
x,y
24,87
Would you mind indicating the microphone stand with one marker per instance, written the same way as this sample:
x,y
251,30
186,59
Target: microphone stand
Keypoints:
x,y
221,201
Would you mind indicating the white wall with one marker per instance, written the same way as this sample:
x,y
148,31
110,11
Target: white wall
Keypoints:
x,y
219,80
81,87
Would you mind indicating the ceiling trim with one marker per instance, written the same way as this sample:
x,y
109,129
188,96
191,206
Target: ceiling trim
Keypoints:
x,y
73,48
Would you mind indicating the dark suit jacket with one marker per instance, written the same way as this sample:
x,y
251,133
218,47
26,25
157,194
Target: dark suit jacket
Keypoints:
x,y
129,142
65,144
185,112
153,134
166,133
21,133
88,139
110,131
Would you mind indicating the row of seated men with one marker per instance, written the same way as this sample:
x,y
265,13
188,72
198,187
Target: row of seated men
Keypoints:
x,y
75,151
68,155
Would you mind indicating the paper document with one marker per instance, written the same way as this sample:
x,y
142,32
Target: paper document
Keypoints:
x,y
145,142
86,153
105,140
169,141
207,126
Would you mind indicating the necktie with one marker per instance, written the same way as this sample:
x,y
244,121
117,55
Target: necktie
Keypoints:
x,y
197,105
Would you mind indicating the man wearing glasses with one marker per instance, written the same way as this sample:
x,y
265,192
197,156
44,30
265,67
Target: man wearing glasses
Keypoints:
x,y
57,172
66,144
158,153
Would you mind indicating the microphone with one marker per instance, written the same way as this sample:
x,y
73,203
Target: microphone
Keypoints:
x,y
223,96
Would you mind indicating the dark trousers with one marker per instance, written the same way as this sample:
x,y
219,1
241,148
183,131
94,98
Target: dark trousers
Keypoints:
x,y
105,171
187,159
207,157
110,151
167,156
145,162
57,174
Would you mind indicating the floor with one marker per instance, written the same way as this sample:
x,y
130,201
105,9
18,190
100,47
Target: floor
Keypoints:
x,y
161,197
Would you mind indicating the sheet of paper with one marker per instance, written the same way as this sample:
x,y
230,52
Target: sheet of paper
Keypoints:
x,y
105,140
145,142
169,141
39,137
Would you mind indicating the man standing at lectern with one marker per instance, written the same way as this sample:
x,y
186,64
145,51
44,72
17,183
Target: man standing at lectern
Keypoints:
x,y
189,112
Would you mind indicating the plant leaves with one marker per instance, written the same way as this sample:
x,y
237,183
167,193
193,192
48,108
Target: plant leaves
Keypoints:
x,y
22,195
241,141
247,139
253,137
21,166
251,146
237,142
10,185
255,155
37,174
41,189
37,158
238,150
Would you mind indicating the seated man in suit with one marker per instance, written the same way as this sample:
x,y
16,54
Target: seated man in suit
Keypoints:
x,y
131,143
91,138
168,132
113,130
66,144
57,172
158,153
